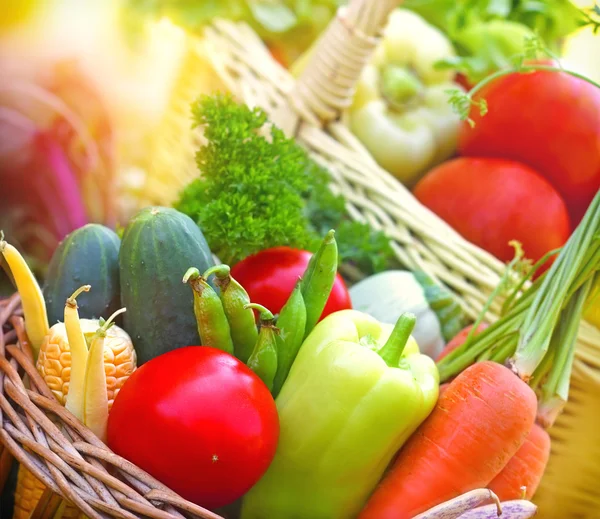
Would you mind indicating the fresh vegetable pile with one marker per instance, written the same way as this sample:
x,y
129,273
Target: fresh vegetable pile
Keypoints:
x,y
305,414
264,355
257,383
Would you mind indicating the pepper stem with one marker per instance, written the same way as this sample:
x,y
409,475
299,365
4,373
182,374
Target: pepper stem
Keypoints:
x,y
392,350
72,301
399,85
266,316
105,325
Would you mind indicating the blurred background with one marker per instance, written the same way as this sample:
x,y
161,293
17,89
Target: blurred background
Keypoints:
x,y
95,94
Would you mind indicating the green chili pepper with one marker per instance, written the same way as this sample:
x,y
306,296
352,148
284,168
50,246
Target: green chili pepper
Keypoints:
x,y
263,360
210,316
291,323
234,297
318,280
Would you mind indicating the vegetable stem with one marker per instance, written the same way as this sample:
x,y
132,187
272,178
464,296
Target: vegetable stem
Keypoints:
x,y
191,274
105,325
580,254
71,301
462,103
555,391
392,350
266,316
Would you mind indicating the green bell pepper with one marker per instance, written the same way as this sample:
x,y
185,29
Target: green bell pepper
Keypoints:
x,y
400,111
356,391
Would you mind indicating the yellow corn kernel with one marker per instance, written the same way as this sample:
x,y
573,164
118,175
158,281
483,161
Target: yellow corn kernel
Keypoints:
x,y
54,364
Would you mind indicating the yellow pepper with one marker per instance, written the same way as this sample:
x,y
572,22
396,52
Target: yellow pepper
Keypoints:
x,y
400,110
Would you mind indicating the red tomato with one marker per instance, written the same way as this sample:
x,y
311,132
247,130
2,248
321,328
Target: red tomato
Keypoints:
x,y
199,421
549,121
270,276
492,201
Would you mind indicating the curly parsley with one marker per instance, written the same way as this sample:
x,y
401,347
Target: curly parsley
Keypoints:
x,y
258,189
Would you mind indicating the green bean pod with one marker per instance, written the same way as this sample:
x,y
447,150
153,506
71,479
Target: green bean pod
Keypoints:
x,y
318,280
242,324
210,316
263,360
291,323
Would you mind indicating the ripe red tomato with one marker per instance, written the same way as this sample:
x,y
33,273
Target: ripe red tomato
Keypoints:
x,y
547,120
493,201
198,420
270,276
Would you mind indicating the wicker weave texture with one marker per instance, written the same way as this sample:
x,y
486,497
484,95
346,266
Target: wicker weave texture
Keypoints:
x,y
63,454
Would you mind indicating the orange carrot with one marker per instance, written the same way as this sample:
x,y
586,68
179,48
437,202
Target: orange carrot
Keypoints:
x,y
477,426
443,388
459,339
525,468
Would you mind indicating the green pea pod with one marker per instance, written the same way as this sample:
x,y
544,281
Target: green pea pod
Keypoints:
x,y
234,297
210,316
318,280
291,323
263,360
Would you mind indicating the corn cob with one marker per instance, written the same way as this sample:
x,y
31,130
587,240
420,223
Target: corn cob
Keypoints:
x,y
54,364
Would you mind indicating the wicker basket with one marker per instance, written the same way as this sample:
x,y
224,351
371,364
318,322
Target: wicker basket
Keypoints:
x,y
63,454
77,466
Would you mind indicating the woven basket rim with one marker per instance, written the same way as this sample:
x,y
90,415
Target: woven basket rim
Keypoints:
x,y
64,454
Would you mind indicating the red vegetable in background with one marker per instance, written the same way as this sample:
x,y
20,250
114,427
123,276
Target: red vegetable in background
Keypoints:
x,y
493,201
270,276
547,120
199,421
56,133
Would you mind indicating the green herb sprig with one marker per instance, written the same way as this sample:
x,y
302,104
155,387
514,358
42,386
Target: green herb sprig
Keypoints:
x,y
258,189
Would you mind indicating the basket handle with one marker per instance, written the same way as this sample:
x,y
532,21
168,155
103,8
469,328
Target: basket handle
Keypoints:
x,y
327,85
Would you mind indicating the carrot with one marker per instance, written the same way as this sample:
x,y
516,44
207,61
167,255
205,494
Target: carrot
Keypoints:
x,y
478,424
525,468
443,388
459,339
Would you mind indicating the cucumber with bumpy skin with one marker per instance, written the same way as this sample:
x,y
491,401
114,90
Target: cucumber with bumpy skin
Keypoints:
x,y
159,245
87,256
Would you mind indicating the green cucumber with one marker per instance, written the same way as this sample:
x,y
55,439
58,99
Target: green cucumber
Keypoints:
x,y
159,245
87,256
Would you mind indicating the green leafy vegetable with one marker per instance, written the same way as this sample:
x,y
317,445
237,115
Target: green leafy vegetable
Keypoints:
x,y
489,33
259,189
367,250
